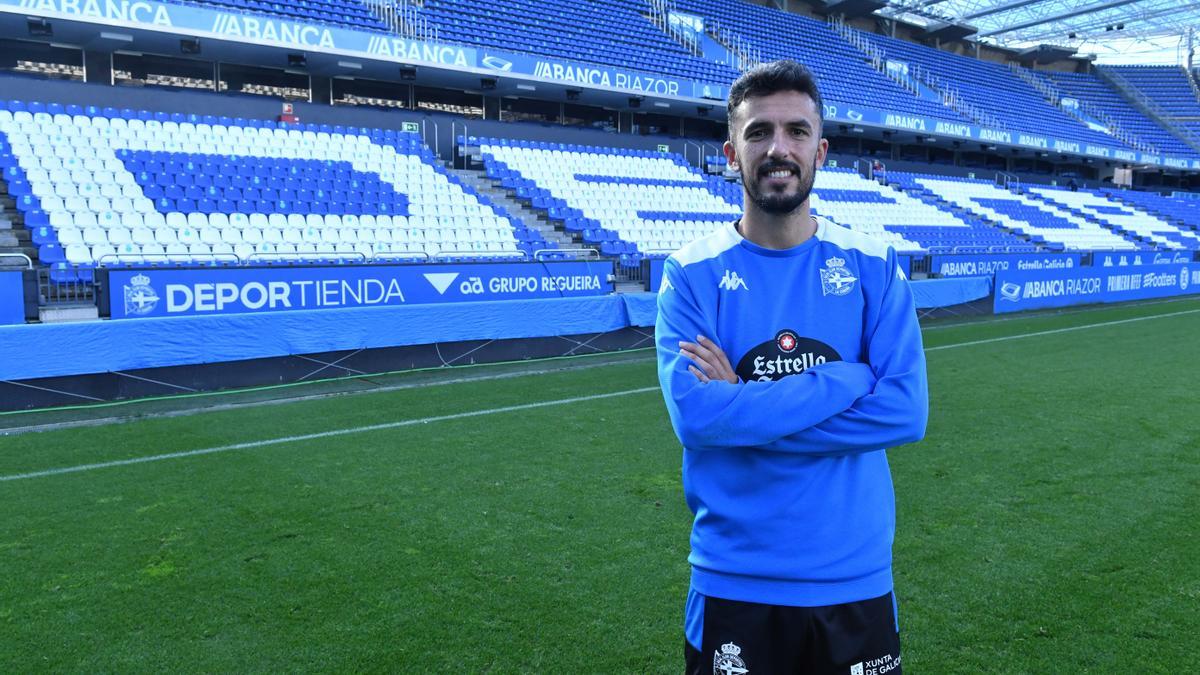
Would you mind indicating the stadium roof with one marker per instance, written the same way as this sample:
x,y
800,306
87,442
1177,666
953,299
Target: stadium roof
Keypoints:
x,y
1116,31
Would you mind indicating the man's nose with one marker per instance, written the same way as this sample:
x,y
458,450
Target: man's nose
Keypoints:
x,y
779,146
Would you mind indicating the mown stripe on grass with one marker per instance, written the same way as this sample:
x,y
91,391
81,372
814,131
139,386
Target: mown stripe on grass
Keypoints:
x,y
322,434
1054,331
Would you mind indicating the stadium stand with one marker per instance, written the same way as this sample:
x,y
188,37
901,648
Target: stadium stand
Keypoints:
x,y
347,14
1181,212
1168,87
840,68
906,215
1089,88
134,187
1095,206
1042,222
569,30
983,84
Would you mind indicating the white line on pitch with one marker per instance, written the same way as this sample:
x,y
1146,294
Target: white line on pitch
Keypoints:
x,y
493,411
323,434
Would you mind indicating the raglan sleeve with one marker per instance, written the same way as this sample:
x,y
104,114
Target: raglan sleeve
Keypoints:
x,y
719,414
896,411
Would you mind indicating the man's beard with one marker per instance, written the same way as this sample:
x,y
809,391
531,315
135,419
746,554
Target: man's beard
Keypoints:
x,y
780,204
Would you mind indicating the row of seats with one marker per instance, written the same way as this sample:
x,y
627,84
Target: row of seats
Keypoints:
x,y
1143,224
1022,214
608,192
104,181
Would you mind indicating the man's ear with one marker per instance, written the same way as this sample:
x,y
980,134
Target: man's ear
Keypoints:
x,y
822,150
730,155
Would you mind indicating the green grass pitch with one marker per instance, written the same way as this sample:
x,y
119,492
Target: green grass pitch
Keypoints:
x,y
1049,523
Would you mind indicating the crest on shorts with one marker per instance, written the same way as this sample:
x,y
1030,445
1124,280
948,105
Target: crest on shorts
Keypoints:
x,y
835,278
728,661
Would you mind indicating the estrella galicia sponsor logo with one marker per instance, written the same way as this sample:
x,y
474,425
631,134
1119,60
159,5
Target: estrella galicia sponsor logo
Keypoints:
x,y
1010,291
836,279
496,63
728,660
140,296
785,354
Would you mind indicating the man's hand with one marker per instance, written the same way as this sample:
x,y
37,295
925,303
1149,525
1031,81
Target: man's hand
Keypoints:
x,y
710,359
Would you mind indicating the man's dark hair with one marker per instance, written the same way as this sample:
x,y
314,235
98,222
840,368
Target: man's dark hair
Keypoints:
x,y
769,78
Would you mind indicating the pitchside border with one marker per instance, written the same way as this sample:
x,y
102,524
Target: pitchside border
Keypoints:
x,y
513,408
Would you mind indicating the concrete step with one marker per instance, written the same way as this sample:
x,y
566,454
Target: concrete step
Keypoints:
x,y
530,217
69,312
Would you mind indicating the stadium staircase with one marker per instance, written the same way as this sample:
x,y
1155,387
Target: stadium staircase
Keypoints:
x,y
919,81
1148,106
15,238
522,210
913,80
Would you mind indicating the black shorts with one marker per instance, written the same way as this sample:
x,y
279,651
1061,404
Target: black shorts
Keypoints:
x,y
746,638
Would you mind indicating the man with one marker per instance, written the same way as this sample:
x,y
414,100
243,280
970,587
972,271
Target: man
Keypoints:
x,y
790,358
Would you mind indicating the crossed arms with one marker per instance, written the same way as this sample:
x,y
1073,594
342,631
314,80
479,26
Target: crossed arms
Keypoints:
x,y
834,408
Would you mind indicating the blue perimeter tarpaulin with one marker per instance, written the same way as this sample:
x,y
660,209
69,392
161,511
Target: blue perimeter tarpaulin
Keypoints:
x,y
107,346
930,293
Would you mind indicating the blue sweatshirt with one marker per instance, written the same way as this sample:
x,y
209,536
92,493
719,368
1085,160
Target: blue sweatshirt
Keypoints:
x,y
786,471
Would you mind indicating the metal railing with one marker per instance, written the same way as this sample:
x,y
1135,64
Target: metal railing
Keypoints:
x,y
437,138
65,285
586,253
741,53
22,256
404,19
659,13
459,152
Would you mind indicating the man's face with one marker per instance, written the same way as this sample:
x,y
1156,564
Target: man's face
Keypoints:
x,y
775,142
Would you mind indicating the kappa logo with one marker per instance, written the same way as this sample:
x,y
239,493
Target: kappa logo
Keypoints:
x,y
728,660
1184,279
835,278
731,282
140,296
